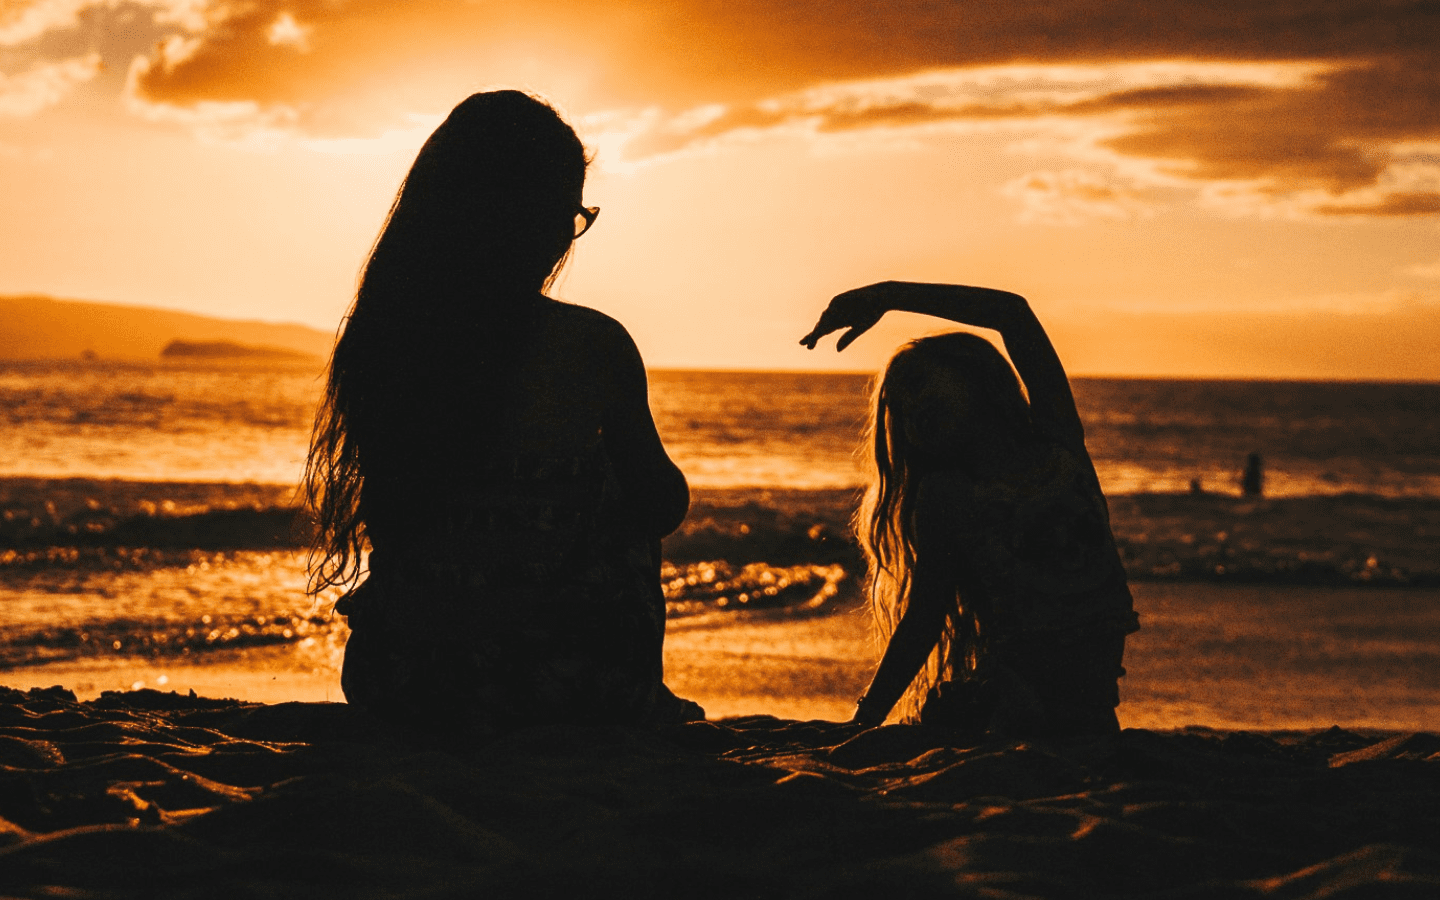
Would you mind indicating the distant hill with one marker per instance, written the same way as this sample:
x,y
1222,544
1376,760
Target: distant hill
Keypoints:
x,y
229,350
36,327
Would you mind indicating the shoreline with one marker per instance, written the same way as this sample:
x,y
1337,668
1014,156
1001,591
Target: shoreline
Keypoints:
x,y
1207,655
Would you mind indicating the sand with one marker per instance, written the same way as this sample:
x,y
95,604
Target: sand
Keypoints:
x,y
138,793
145,794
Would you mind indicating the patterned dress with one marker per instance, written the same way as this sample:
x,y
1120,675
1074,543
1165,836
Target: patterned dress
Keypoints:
x,y
522,597
1043,604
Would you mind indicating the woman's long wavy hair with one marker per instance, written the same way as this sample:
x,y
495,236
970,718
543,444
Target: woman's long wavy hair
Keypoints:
x,y
885,521
481,225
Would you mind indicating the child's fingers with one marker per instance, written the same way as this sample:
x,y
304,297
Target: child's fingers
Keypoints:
x,y
811,339
823,327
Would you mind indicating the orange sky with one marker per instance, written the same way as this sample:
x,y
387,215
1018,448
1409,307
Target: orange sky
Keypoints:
x,y
1181,187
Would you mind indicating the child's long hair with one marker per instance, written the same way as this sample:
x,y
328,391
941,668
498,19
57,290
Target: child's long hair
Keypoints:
x,y
478,228
885,521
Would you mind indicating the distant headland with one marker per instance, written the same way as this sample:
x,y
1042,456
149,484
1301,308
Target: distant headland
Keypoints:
x,y
39,327
219,350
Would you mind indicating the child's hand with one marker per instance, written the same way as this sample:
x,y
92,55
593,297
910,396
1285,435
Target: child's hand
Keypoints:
x,y
866,715
857,310
865,720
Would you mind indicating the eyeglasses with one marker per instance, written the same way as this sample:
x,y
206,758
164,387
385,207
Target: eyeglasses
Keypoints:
x,y
585,216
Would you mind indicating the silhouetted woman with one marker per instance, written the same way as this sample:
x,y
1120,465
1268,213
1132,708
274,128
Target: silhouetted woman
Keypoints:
x,y
493,450
991,556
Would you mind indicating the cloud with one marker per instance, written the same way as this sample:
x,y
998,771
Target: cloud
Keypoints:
x,y
1010,97
1074,197
1293,107
25,20
44,85
340,69
1272,139
1344,144
1390,204
286,32
1424,270
681,53
1320,139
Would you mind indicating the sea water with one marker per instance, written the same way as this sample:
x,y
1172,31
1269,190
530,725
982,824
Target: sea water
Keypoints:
x,y
738,429
146,510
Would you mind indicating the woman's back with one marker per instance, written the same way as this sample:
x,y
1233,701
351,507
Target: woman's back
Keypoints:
x,y
515,551
563,385
569,387
492,450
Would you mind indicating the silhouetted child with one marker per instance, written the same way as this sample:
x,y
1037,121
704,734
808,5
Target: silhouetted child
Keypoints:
x,y
991,558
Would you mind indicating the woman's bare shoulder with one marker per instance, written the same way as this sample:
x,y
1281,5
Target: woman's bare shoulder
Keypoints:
x,y
590,344
583,320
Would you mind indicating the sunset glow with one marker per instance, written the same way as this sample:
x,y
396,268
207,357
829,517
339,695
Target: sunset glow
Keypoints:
x,y
1180,189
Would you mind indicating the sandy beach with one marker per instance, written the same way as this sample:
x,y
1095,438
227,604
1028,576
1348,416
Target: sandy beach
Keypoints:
x,y
123,793
145,794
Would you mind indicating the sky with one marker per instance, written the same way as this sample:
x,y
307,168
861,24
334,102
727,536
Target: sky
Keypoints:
x,y
1194,188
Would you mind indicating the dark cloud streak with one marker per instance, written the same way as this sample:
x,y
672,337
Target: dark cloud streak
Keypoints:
x,y
1334,134
1331,136
688,52
1394,204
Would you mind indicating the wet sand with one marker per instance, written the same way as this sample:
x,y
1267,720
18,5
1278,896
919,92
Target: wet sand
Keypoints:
x,y
1218,656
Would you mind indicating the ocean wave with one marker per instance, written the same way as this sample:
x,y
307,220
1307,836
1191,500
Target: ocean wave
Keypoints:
x,y
157,638
1343,539
109,523
54,615
717,585
182,584
1336,539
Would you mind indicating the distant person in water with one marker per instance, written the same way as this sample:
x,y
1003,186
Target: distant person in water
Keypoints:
x,y
1252,480
494,452
992,563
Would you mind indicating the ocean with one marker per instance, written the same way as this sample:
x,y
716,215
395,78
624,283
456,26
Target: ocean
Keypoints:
x,y
148,517
738,429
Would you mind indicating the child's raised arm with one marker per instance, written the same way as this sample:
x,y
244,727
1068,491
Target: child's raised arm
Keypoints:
x,y
1052,406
